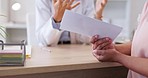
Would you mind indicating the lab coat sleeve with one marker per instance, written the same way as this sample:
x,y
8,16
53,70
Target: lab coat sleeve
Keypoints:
x,y
90,9
47,31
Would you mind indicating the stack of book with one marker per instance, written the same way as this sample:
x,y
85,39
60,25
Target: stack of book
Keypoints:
x,y
11,57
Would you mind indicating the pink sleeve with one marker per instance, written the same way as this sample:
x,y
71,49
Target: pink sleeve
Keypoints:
x,y
144,9
144,14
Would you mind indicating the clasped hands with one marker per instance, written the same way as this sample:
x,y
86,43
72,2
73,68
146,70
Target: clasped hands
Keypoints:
x,y
103,49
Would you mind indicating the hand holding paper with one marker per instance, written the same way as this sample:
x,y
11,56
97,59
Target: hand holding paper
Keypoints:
x,y
83,25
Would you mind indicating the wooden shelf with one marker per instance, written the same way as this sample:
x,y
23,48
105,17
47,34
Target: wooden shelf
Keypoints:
x,y
14,26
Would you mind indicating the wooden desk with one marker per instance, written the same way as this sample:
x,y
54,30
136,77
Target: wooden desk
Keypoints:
x,y
68,61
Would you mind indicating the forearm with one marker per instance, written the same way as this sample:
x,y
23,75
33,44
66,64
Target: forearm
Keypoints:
x,y
139,65
58,16
124,48
47,30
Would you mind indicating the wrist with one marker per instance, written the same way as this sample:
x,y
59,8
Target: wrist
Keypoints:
x,y
99,17
58,16
56,19
119,57
99,14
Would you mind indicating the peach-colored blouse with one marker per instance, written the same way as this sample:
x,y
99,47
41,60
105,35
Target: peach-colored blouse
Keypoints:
x,y
140,41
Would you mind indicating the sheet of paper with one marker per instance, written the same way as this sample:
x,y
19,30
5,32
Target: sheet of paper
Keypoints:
x,y
28,51
83,25
17,49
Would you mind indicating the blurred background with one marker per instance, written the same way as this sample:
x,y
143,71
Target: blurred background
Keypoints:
x,y
20,13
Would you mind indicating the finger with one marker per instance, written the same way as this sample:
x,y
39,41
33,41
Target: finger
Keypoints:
x,y
105,1
110,40
54,1
99,52
73,6
94,39
105,44
98,56
96,52
65,3
101,58
60,1
99,42
95,55
98,2
108,46
70,2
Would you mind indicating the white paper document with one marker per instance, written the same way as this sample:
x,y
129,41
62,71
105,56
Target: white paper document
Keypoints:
x,y
83,25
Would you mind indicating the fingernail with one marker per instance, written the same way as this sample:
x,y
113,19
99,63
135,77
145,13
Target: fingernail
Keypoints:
x,y
94,51
96,36
107,39
110,41
93,48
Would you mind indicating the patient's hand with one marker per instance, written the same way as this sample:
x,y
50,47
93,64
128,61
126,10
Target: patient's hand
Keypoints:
x,y
103,49
101,43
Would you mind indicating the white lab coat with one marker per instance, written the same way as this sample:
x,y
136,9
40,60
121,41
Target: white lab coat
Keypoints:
x,y
45,32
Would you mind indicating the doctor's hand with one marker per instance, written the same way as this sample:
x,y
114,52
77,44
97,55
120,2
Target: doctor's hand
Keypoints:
x,y
101,43
100,5
60,6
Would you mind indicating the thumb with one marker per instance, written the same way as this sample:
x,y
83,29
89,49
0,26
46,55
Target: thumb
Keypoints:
x,y
54,1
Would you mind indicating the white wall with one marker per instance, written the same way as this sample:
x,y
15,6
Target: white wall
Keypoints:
x,y
115,13
115,10
27,6
4,10
134,9
124,13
